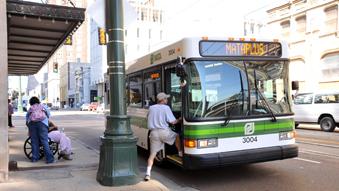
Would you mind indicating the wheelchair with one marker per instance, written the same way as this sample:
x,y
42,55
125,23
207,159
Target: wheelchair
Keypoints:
x,y
28,148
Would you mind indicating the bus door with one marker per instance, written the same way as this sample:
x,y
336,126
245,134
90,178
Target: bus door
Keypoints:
x,y
172,87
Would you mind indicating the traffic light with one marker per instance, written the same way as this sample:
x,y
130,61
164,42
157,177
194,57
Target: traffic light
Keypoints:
x,y
55,67
68,40
102,36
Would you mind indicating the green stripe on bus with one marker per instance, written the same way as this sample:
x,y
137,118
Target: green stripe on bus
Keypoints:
x,y
197,135
232,129
237,129
241,124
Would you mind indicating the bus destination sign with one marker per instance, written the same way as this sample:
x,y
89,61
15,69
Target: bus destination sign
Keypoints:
x,y
240,49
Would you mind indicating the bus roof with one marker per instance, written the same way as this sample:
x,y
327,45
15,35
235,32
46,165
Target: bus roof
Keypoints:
x,y
187,48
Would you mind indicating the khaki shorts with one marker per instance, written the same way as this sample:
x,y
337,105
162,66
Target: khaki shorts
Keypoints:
x,y
160,136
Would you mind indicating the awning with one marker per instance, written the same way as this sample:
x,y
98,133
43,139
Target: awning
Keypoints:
x,y
36,31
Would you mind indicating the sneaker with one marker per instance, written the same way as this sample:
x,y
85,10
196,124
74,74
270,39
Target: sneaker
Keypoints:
x,y
147,177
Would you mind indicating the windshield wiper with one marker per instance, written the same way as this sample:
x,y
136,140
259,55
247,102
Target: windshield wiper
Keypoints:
x,y
274,119
228,118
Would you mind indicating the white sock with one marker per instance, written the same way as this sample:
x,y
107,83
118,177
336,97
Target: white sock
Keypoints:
x,y
180,153
148,171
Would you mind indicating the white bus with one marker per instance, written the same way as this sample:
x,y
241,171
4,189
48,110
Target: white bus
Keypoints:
x,y
233,96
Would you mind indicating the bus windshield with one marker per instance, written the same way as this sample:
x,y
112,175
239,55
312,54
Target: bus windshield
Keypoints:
x,y
219,89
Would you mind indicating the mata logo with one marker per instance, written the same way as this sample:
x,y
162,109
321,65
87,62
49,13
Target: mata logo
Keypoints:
x,y
249,128
155,57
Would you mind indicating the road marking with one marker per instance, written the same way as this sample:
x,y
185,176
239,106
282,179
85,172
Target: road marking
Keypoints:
x,y
307,160
318,141
318,153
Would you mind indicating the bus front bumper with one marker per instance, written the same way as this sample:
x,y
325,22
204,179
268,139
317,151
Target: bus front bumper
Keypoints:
x,y
240,157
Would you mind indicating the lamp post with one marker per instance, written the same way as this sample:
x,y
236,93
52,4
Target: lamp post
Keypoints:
x,y
118,154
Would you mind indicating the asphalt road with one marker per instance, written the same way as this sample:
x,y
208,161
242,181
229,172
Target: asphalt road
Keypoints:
x,y
316,168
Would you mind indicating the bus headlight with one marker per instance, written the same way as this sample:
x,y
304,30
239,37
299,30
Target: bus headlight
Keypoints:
x,y
207,143
286,135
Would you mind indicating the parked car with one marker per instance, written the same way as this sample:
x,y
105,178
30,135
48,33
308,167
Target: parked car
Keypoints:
x,y
84,107
321,108
93,106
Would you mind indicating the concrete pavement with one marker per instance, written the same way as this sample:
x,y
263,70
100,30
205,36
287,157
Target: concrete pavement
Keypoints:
x,y
78,174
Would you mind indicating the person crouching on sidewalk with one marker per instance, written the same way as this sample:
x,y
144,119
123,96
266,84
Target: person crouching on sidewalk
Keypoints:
x,y
60,137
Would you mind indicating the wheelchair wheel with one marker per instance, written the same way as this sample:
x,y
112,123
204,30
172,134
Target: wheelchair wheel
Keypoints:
x,y
28,148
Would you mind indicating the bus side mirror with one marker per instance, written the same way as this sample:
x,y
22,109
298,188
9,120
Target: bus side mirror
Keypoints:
x,y
295,85
180,71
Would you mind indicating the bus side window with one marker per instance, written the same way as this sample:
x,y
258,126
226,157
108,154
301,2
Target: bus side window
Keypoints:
x,y
135,91
151,86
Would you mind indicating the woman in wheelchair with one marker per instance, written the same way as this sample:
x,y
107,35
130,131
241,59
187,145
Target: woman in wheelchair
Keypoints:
x,y
60,137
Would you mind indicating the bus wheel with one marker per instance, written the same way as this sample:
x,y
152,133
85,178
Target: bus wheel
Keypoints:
x,y
327,124
159,159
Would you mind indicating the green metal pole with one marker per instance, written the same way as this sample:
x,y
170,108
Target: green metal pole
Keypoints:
x,y
20,97
118,153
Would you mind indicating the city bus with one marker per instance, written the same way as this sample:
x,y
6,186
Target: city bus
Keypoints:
x,y
233,95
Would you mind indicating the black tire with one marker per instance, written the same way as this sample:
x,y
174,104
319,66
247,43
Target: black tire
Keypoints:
x,y
28,148
54,147
327,124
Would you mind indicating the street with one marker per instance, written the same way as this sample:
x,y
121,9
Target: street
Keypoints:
x,y
316,168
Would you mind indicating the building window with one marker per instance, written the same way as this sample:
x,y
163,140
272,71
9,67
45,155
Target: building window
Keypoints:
x,y
143,14
331,19
135,91
161,35
301,26
155,16
285,29
330,67
149,33
126,33
138,32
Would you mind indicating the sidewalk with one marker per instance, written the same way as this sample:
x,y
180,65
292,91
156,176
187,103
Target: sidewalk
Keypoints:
x,y
78,174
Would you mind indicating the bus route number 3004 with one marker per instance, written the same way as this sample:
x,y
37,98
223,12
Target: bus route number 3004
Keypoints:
x,y
249,139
